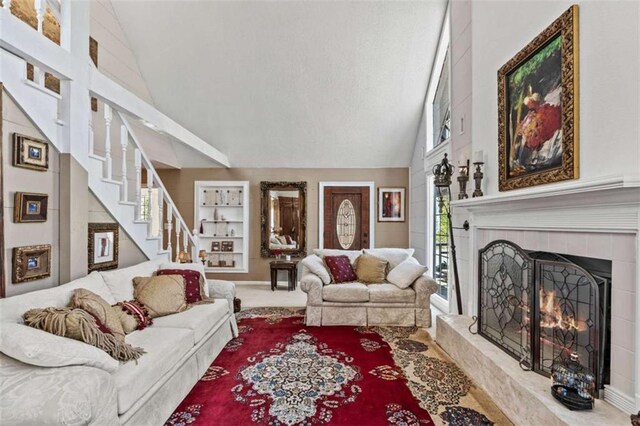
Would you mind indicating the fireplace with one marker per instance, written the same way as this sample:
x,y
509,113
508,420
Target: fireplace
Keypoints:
x,y
542,307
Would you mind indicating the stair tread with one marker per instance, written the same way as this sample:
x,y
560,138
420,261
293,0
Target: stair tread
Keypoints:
x,y
146,222
128,203
97,157
114,182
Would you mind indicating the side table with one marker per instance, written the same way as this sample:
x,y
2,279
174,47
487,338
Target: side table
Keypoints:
x,y
291,266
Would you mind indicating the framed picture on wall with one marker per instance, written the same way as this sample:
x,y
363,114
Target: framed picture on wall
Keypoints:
x,y
30,153
538,108
103,246
31,263
391,204
30,207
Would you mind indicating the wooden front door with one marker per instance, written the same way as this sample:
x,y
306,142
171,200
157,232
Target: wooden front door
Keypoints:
x,y
346,217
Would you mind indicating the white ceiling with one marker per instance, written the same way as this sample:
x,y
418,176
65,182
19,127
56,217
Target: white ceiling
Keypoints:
x,y
290,84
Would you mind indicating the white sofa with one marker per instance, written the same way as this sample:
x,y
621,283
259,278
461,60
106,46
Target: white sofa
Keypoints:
x,y
87,386
368,304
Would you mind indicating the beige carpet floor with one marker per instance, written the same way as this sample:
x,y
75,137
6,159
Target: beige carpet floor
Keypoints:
x,y
261,296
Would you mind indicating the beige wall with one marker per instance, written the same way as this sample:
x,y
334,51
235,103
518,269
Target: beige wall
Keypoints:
x,y
180,184
128,253
25,180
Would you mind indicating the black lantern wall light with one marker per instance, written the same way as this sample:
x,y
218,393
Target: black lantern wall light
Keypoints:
x,y
442,173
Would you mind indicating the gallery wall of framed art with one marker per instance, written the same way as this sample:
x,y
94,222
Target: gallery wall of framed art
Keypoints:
x,y
30,197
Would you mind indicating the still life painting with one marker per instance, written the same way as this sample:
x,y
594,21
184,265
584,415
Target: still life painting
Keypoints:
x,y
538,108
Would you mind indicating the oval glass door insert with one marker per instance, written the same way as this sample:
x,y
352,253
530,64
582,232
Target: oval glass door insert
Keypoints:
x,y
346,224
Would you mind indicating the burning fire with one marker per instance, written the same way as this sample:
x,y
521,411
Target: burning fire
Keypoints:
x,y
551,315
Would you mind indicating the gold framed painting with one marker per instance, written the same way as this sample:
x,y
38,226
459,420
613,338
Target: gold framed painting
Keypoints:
x,y
30,153
30,207
31,263
103,246
538,108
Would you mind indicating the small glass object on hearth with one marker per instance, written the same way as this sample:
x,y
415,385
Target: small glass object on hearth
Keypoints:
x,y
572,385
463,178
477,177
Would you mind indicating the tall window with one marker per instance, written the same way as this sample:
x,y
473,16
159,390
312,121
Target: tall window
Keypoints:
x,y
442,105
440,246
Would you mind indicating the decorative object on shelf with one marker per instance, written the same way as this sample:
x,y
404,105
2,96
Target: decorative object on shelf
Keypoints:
x,y
202,227
30,153
391,205
442,173
232,232
184,257
538,108
477,177
572,385
215,246
283,218
215,213
30,207
103,246
463,178
227,246
234,197
202,254
221,261
277,254
31,263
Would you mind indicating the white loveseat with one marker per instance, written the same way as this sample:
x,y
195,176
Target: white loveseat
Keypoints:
x,y
368,304
46,379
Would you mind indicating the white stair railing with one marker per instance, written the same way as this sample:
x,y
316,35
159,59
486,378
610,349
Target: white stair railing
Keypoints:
x,y
108,116
124,144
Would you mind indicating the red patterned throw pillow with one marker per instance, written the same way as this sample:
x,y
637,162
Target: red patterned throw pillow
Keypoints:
x,y
191,281
340,269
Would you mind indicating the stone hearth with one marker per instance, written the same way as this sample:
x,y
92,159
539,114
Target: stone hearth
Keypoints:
x,y
523,396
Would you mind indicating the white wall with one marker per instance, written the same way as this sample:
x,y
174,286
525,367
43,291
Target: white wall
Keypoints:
x,y
25,180
417,197
609,85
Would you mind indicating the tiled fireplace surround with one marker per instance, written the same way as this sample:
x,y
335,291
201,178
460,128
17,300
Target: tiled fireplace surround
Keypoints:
x,y
597,220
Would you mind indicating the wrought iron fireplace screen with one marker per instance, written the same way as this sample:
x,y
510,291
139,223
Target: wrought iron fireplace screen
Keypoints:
x,y
539,307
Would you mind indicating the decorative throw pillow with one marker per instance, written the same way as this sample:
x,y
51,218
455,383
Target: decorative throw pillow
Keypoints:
x,y
132,315
99,308
81,325
196,266
316,265
161,295
371,269
340,269
406,273
194,285
394,256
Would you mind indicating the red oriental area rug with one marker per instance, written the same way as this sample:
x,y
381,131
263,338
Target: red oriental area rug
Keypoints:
x,y
280,372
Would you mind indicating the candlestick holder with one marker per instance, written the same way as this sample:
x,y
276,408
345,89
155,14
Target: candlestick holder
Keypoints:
x,y
463,178
477,177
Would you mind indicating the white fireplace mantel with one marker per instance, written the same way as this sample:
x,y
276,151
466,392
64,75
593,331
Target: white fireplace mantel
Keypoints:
x,y
569,214
604,205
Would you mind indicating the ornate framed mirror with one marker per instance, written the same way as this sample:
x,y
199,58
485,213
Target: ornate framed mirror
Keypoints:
x,y
283,218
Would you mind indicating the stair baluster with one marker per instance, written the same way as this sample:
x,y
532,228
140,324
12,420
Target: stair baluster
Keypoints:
x,y
160,219
41,8
124,143
108,116
138,162
178,227
149,188
169,228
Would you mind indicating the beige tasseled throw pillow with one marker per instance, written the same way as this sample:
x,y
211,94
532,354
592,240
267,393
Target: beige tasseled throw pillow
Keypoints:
x,y
371,269
161,295
80,325
99,308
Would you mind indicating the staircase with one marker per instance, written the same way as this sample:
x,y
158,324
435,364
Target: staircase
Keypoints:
x,y
116,162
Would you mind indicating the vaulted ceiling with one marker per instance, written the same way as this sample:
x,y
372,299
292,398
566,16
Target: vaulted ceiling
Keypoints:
x,y
290,84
